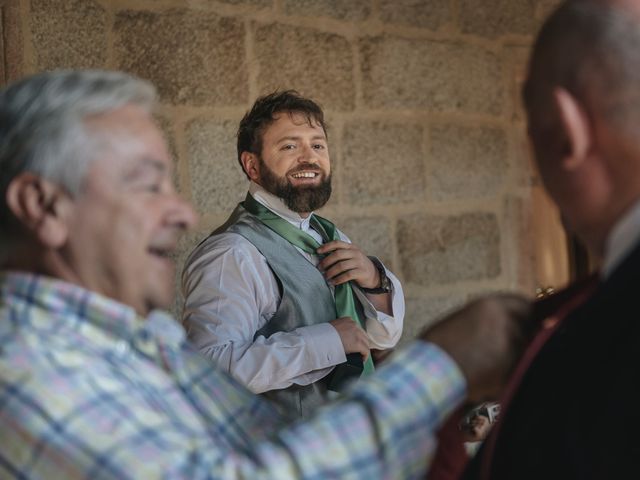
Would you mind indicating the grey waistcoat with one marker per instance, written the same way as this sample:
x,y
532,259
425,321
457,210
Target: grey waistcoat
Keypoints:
x,y
306,300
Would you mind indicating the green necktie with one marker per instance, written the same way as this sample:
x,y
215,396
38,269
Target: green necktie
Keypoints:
x,y
345,300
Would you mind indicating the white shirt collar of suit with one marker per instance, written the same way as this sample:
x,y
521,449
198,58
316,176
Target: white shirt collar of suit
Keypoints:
x,y
277,206
623,237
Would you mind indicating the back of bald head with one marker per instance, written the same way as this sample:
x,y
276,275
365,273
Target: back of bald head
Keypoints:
x,y
590,48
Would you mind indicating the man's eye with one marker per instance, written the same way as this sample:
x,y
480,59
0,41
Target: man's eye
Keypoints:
x,y
288,146
154,188
319,146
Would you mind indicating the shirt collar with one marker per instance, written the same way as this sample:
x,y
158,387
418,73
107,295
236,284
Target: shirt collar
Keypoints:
x,y
277,206
623,237
73,303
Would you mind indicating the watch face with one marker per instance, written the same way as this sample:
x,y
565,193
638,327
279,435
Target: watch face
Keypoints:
x,y
385,282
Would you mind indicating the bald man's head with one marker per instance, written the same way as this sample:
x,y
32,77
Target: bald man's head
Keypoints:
x,y
591,48
582,97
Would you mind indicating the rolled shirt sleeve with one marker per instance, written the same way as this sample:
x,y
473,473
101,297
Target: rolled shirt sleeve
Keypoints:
x,y
384,330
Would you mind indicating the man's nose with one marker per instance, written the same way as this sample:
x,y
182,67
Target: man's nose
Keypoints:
x,y
306,153
182,215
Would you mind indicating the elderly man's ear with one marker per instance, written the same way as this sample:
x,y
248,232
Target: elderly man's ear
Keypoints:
x,y
576,128
40,207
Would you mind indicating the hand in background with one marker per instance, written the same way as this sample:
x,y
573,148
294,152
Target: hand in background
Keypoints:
x,y
477,430
485,339
354,339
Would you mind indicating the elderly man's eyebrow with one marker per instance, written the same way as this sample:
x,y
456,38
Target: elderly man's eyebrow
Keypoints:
x,y
144,166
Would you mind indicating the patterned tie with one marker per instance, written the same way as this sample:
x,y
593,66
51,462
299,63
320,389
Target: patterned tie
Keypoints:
x,y
344,296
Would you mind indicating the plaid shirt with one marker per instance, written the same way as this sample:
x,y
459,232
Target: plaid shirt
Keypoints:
x,y
90,390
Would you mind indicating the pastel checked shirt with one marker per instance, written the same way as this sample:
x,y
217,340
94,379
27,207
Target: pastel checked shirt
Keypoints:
x,y
90,390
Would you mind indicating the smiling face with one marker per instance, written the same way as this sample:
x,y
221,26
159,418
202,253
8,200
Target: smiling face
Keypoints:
x,y
294,162
125,223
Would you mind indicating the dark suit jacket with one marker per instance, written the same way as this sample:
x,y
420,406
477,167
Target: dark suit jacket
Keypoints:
x,y
576,414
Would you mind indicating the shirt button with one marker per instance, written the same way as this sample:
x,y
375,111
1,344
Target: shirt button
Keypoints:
x,y
122,347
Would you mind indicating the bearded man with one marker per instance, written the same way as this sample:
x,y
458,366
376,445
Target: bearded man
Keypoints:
x,y
278,296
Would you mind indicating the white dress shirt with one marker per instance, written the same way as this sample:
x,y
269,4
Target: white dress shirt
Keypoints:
x,y
624,236
230,293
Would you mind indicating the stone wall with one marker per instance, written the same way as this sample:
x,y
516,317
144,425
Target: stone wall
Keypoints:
x,y
430,160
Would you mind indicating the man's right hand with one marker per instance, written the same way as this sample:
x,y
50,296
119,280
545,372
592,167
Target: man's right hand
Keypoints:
x,y
354,339
485,339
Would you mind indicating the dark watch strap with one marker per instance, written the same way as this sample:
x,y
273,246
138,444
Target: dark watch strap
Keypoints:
x,y
385,283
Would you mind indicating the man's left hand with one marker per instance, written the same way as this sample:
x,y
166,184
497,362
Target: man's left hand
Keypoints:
x,y
345,261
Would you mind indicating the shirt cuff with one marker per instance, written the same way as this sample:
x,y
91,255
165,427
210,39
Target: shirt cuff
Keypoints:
x,y
325,346
397,295
384,330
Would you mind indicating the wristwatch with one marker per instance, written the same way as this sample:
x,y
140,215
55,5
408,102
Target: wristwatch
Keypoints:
x,y
385,283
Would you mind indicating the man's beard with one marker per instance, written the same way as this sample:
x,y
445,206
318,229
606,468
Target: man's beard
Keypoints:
x,y
297,199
